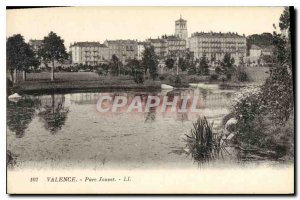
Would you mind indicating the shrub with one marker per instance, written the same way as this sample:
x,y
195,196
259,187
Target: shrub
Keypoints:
x,y
214,77
202,143
177,80
161,77
249,111
241,75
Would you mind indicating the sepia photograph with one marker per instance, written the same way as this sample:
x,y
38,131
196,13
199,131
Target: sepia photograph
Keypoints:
x,y
150,100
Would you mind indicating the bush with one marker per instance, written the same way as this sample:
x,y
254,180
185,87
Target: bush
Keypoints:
x,y
214,77
161,77
202,143
249,111
177,80
241,75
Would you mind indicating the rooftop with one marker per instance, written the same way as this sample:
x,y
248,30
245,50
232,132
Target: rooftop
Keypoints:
x,y
180,20
36,42
88,44
217,34
253,46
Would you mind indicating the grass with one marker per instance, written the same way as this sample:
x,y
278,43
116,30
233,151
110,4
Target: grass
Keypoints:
x,y
202,143
90,80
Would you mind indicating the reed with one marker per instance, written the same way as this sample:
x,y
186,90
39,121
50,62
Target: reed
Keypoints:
x,y
202,143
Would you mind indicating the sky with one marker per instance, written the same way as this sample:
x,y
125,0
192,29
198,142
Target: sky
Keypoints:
x,y
101,23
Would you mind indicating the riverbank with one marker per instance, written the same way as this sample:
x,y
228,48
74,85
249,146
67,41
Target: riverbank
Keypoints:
x,y
74,81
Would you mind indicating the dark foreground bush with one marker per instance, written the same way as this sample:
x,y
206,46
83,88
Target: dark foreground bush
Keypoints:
x,y
202,143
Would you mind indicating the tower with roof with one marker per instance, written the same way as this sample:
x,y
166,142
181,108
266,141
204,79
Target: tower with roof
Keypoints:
x,y
181,28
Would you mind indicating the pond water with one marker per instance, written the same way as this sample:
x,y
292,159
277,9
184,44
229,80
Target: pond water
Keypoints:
x,y
68,131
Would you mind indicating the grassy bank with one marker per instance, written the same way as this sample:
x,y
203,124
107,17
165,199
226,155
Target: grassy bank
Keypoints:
x,y
67,81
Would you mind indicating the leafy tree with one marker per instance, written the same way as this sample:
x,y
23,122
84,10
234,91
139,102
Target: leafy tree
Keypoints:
x,y
19,55
203,65
170,63
278,88
262,40
136,70
150,62
182,64
227,65
115,65
53,49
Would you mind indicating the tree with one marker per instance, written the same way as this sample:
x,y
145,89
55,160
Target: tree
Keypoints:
x,y
170,63
53,49
182,64
31,61
242,62
227,65
150,62
19,56
278,88
203,65
136,70
115,65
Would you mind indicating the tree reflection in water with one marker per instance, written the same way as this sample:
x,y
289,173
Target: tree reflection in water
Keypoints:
x,y
53,113
20,114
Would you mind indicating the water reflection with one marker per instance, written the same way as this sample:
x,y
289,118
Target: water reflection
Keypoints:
x,y
53,113
119,136
20,114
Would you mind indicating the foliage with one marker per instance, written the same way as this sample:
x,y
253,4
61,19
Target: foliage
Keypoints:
x,y
177,80
202,143
241,75
261,40
203,66
150,62
53,49
170,63
19,55
115,65
249,109
227,65
102,69
136,70
192,70
214,77
182,64
278,88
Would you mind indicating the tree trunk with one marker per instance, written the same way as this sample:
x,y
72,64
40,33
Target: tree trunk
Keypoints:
x,y
12,76
15,76
24,76
52,71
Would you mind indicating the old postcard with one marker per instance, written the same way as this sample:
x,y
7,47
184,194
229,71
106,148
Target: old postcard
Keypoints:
x,y
150,100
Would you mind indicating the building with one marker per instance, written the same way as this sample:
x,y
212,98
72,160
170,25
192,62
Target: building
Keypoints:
x,y
35,45
181,29
176,46
215,45
89,53
267,51
160,47
123,49
255,51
